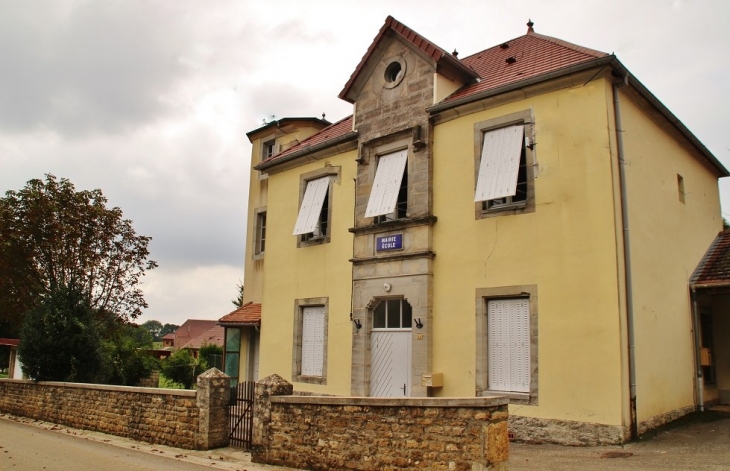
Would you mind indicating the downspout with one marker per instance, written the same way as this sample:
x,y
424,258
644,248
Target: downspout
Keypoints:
x,y
627,257
698,361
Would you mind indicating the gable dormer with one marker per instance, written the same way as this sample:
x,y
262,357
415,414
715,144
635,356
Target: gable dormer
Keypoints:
x,y
400,75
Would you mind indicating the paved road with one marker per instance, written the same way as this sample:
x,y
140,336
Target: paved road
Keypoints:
x,y
31,445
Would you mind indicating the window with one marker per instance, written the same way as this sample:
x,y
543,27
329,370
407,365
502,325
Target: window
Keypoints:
x,y
508,327
680,188
233,354
260,233
507,343
269,149
314,211
504,165
309,363
313,224
389,195
393,314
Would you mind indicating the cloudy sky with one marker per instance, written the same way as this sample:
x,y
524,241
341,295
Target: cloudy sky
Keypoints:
x,y
150,100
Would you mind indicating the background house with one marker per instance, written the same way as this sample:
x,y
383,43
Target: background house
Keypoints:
x,y
519,222
15,370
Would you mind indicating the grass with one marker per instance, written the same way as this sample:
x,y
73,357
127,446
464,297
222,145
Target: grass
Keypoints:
x,y
3,375
157,345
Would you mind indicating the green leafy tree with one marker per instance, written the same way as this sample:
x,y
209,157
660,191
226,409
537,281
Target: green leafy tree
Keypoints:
x,y
181,367
212,355
60,340
51,234
126,353
238,302
154,328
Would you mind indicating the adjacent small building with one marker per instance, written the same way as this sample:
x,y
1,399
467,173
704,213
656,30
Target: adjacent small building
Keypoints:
x,y
520,222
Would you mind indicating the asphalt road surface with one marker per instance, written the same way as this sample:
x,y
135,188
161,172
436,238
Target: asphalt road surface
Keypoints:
x,y
25,447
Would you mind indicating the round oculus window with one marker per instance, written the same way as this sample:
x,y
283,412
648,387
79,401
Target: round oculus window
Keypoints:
x,y
392,72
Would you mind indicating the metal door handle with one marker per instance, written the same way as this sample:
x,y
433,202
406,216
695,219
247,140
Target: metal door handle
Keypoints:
x,y
404,389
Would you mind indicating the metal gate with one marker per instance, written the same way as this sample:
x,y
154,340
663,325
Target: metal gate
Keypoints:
x,y
240,413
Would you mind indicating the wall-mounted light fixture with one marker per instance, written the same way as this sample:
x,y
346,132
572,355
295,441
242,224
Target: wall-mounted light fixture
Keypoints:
x,y
418,322
358,324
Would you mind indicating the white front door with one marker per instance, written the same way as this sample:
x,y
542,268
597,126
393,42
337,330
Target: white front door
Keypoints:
x,y
390,363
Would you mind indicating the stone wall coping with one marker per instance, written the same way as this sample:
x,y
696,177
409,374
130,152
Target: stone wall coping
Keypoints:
x,y
108,387
473,402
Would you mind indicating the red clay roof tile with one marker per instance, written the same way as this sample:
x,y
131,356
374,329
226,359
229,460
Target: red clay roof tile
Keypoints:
x,y
248,314
212,336
333,131
714,268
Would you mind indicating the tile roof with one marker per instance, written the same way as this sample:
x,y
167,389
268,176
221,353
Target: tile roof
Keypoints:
x,y
190,329
714,268
170,336
522,58
248,314
426,47
333,131
212,336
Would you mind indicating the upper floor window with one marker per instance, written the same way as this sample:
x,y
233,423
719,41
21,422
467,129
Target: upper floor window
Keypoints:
x,y
313,219
505,165
389,195
269,149
260,236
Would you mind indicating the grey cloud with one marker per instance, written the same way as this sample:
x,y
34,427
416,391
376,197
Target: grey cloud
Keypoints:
x,y
105,66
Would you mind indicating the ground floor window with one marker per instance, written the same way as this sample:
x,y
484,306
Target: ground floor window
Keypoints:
x,y
507,342
309,362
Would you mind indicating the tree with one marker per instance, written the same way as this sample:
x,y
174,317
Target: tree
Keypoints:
x,y
182,368
59,340
154,328
238,302
126,355
52,234
212,355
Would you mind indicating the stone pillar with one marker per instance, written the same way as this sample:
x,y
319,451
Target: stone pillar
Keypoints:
x,y
212,400
273,385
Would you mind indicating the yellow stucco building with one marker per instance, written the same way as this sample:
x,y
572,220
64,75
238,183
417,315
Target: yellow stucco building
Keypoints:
x,y
519,222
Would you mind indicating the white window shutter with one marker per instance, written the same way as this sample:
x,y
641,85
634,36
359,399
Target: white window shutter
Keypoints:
x,y
500,163
312,341
508,339
388,177
519,345
311,206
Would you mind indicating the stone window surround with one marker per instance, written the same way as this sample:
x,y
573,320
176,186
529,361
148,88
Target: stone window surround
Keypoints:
x,y
372,150
482,368
521,117
257,255
385,64
299,305
327,170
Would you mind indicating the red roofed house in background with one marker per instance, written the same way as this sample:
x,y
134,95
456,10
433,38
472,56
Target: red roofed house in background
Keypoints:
x,y
520,222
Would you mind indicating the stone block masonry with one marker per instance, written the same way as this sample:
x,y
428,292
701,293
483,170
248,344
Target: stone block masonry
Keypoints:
x,y
356,433
180,418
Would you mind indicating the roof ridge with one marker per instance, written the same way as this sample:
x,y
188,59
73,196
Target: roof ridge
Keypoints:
x,y
569,45
558,41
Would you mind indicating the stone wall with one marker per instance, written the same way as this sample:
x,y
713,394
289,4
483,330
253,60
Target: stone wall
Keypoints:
x,y
180,418
321,433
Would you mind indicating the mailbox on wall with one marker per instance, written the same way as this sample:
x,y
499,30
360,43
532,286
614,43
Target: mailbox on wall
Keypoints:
x,y
432,380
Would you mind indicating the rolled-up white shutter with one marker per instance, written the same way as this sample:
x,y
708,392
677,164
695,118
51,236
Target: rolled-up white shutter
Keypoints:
x,y
388,177
311,206
500,163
